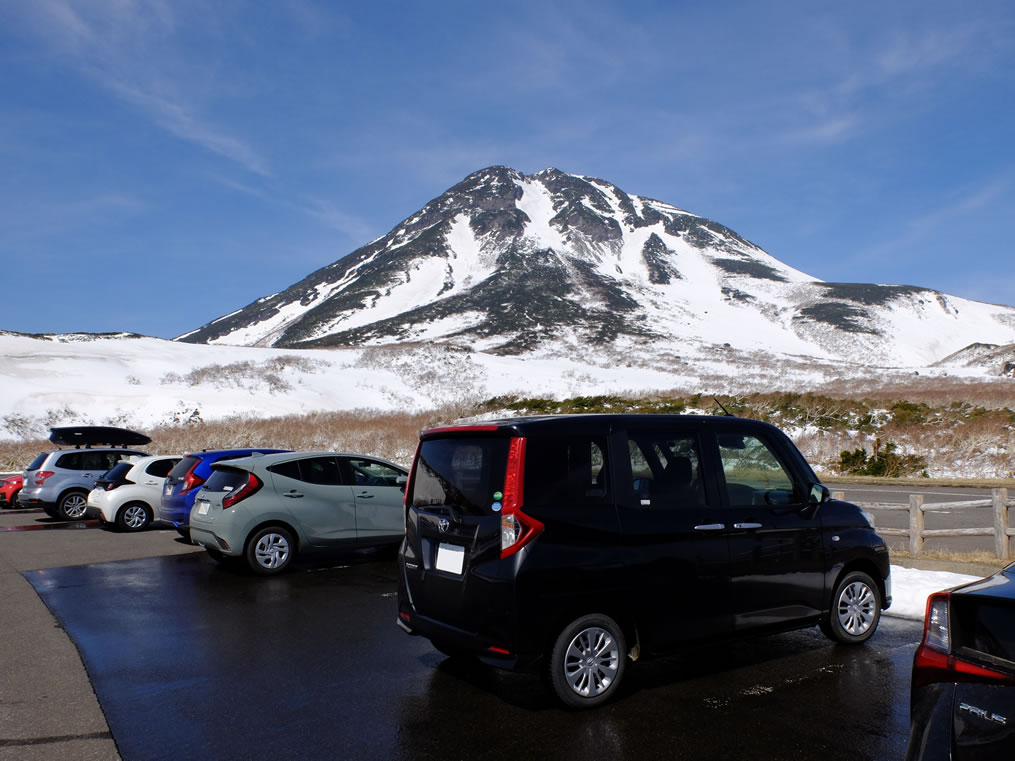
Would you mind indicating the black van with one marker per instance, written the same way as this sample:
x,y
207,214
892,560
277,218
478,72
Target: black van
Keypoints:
x,y
577,542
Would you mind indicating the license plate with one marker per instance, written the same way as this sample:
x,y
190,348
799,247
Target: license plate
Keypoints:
x,y
202,506
450,558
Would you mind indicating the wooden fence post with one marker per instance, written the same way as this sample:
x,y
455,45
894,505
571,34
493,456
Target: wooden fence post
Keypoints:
x,y
1002,545
915,524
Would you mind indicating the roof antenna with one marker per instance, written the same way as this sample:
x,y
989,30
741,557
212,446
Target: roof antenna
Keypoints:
x,y
725,411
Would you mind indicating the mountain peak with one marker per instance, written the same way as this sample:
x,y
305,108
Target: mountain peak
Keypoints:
x,y
556,262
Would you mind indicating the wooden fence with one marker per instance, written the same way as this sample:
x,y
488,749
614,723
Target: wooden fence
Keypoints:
x,y
1001,530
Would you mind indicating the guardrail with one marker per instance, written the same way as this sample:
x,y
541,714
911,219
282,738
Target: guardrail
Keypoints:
x,y
1001,530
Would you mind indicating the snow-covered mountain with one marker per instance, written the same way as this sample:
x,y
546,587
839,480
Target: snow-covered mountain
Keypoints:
x,y
555,264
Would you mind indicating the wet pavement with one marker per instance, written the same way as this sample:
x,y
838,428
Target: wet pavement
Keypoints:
x,y
193,660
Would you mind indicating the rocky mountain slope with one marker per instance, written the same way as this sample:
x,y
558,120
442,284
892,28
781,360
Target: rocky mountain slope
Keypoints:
x,y
557,264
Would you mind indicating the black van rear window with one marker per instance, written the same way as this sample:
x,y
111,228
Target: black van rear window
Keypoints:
x,y
466,474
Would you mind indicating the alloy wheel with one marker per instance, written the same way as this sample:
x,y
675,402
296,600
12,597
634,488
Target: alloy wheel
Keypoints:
x,y
74,506
135,517
591,662
856,608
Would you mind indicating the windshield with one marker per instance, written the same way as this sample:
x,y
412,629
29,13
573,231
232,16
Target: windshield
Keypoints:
x,y
466,474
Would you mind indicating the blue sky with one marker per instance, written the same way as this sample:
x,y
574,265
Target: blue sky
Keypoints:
x,y
165,162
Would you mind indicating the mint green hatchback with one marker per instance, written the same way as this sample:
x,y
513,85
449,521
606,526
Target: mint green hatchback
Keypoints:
x,y
267,509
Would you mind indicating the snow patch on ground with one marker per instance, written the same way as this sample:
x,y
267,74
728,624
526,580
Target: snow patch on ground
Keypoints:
x,y
912,587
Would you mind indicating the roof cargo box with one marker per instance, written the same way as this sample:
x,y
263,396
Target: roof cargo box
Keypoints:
x,y
96,435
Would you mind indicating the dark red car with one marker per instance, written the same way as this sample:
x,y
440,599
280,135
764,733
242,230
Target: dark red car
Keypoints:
x,y
10,488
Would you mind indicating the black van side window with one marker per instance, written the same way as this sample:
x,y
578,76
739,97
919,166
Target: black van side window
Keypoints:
x,y
666,470
567,470
754,475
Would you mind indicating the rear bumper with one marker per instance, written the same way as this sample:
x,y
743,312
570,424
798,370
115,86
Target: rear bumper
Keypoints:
x,y
444,634
209,540
32,502
174,515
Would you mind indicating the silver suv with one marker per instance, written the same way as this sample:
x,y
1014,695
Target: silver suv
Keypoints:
x,y
59,481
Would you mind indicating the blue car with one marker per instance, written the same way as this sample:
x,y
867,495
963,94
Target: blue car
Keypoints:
x,y
185,480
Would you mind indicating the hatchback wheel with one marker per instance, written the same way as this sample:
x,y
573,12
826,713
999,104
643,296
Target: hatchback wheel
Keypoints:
x,y
587,661
270,550
134,516
72,505
855,610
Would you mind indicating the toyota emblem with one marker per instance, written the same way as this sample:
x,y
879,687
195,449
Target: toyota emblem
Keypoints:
x,y
444,524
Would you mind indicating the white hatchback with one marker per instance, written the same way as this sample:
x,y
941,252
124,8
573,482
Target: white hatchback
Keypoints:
x,y
125,495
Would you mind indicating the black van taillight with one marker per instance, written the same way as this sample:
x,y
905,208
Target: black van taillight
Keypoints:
x,y
935,661
516,528
250,487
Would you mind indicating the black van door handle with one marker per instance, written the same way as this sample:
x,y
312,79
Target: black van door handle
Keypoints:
x,y
746,525
710,527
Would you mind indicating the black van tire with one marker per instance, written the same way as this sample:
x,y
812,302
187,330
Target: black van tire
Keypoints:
x,y
587,661
855,610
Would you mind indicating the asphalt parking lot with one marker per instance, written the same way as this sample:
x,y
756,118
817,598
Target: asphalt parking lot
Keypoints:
x,y
186,659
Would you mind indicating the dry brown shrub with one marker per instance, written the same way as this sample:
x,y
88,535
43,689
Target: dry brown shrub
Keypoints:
x,y
390,435
992,394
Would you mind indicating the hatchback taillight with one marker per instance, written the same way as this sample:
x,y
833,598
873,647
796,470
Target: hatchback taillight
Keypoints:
x,y
191,480
250,487
41,476
516,528
934,660
109,486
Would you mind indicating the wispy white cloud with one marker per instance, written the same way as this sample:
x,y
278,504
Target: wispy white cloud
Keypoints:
x,y
334,216
180,119
922,228
128,48
33,219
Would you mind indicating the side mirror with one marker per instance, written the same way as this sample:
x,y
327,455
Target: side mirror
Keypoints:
x,y
779,497
401,481
819,493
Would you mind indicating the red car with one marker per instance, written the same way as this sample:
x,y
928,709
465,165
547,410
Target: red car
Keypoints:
x,y
9,490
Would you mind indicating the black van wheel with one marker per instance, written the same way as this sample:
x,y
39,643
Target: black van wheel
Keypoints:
x,y
855,610
587,661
